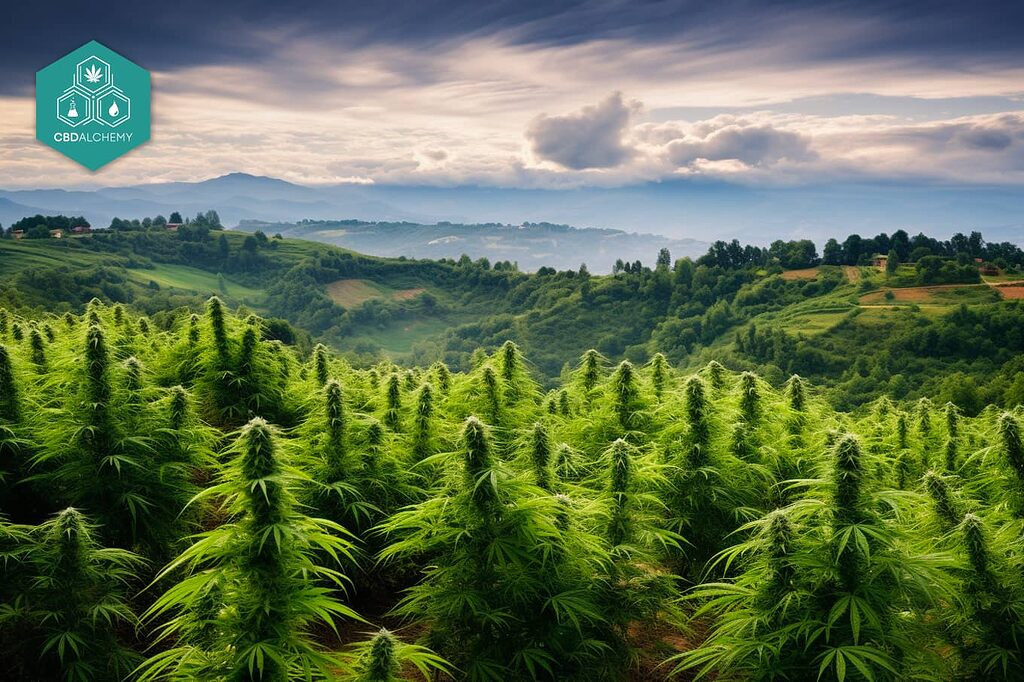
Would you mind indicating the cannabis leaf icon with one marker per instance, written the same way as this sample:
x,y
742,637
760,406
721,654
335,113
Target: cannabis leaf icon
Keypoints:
x,y
93,74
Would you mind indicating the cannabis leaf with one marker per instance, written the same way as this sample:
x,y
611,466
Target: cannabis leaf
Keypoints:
x,y
93,74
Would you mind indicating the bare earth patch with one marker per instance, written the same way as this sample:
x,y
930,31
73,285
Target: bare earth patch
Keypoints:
x,y
1011,293
939,294
349,293
852,273
406,294
658,642
906,295
805,273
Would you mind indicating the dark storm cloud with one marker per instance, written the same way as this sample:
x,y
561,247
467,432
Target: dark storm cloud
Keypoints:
x,y
166,36
591,138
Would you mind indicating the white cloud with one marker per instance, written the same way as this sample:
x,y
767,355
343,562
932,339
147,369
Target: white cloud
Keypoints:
x,y
753,145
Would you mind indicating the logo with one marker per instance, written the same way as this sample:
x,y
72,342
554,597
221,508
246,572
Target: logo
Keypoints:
x,y
92,105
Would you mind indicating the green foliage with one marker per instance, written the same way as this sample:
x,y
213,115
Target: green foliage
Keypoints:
x,y
321,361
627,400
824,588
991,625
75,604
104,447
255,578
734,523
382,658
9,404
393,414
514,591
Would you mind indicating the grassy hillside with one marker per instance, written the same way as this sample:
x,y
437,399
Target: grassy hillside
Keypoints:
x,y
853,328
192,280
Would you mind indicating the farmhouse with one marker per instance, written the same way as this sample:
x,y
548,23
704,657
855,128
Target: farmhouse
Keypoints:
x,y
880,261
19,234
81,229
56,234
172,227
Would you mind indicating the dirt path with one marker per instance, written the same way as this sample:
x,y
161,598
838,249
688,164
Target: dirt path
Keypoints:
x,y
898,306
1009,284
852,273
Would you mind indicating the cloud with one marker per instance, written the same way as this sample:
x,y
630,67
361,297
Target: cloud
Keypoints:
x,y
772,148
988,134
604,136
971,149
753,145
590,138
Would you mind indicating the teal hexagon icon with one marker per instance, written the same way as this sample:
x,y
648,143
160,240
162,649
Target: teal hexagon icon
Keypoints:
x,y
92,105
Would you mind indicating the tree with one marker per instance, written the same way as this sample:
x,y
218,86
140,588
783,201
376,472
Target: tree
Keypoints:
x,y
892,263
852,249
175,218
40,231
900,242
664,261
833,253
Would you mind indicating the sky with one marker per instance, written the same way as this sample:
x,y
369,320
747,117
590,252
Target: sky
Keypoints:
x,y
544,94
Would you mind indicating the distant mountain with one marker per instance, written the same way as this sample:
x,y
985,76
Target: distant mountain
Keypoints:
x,y
385,221
698,210
236,197
531,245
12,211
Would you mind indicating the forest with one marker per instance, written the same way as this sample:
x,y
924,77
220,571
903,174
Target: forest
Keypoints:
x,y
198,501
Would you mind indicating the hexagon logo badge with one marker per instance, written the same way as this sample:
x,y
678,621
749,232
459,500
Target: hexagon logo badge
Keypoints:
x,y
92,105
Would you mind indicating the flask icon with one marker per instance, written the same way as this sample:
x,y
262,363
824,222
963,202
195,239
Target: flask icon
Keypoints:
x,y
73,110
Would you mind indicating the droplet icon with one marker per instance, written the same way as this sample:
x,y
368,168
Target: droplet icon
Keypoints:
x,y
113,110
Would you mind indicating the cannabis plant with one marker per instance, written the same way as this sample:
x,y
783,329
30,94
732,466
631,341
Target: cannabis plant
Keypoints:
x,y
510,592
253,580
827,589
75,609
381,659
989,625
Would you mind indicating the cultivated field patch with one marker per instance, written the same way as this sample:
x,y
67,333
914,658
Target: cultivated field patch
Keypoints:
x,y
351,293
805,273
1011,293
933,295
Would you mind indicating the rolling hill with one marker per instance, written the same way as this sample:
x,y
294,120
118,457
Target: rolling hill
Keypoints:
x,y
838,326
